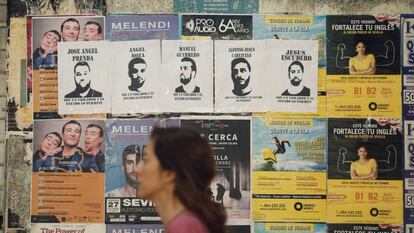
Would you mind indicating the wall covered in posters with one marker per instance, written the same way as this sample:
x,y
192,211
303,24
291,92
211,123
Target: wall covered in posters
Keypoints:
x,y
286,169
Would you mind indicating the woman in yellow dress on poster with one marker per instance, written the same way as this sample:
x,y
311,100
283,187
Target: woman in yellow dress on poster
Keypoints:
x,y
362,63
365,168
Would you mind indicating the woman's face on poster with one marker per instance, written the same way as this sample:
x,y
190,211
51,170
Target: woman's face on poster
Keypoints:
x,y
360,48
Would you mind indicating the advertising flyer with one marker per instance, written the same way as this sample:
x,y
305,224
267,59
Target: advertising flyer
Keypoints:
x,y
408,172
407,26
365,171
67,227
363,66
125,145
135,76
222,27
297,27
45,34
142,27
83,77
289,170
240,76
275,227
238,228
366,228
68,171
187,76
134,228
295,84
216,6
230,141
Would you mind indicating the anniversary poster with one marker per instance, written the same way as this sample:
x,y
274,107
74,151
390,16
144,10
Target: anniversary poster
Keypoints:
x,y
240,76
363,66
216,6
67,227
125,145
68,171
409,173
135,76
297,27
230,141
187,76
364,172
289,170
45,34
83,77
407,26
142,27
294,85
222,27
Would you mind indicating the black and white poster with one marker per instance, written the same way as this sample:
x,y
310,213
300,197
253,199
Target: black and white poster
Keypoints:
x,y
82,77
292,69
240,77
135,76
187,76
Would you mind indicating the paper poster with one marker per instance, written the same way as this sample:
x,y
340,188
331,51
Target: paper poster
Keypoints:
x,y
19,109
187,76
297,27
150,228
125,144
295,82
18,183
363,66
238,229
408,172
66,227
142,27
223,27
218,6
240,76
407,25
135,76
289,170
366,228
230,141
275,227
83,77
45,34
365,171
68,171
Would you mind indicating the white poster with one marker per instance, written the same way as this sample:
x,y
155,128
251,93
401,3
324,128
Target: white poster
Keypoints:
x,y
240,77
83,77
292,71
67,227
135,76
187,76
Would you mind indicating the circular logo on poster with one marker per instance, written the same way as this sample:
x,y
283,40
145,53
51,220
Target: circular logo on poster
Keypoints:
x,y
298,206
372,106
374,212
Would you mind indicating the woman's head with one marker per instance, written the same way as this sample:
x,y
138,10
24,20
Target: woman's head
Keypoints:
x,y
362,152
179,156
360,47
51,142
49,40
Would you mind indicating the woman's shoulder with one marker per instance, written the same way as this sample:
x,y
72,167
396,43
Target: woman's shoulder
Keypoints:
x,y
372,161
187,222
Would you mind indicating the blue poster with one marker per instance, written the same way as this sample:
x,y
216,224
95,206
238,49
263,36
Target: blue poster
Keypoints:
x,y
407,25
216,6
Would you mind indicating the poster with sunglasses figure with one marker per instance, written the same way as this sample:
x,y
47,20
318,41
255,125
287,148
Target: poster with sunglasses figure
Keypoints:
x,y
83,77
125,145
135,76
230,142
240,77
294,87
187,76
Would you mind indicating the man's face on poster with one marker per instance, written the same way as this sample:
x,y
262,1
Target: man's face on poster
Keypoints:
x,y
138,73
241,75
82,78
91,32
70,31
129,167
186,73
71,135
49,41
92,138
295,75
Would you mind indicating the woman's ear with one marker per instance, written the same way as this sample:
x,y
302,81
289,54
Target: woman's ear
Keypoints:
x,y
168,176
